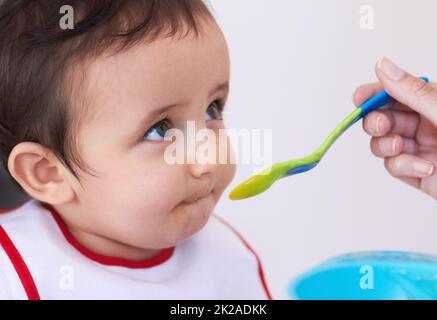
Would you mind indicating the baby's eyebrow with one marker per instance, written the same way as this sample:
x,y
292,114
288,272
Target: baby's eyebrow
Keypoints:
x,y
151,116
221,87
157,112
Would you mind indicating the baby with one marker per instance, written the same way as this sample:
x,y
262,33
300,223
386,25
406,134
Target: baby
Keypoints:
x,y
84,112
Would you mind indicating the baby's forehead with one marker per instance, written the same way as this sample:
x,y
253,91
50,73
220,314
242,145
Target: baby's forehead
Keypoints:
x,y
157,73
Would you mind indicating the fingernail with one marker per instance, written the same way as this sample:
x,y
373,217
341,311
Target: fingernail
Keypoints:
x,y
378,125
394,145
391,70
423,167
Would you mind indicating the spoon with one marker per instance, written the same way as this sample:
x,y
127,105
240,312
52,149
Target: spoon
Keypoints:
x,y
264,179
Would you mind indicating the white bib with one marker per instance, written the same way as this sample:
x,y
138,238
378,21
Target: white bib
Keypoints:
x,y
40,259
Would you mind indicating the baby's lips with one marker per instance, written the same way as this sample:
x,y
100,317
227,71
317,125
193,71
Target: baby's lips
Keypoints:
x,y
199,195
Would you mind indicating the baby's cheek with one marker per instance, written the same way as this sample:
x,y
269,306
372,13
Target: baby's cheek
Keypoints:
x,y
230,169
227,171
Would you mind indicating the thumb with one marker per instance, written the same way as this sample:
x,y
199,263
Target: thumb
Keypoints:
x,y
407,89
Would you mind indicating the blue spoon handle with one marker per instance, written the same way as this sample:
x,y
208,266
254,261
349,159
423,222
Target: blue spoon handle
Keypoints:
x,y
378,101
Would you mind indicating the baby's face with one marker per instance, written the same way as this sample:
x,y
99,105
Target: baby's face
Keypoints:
x,y
138,198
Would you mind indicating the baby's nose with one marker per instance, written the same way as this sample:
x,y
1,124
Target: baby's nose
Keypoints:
x,y
204,157
199,169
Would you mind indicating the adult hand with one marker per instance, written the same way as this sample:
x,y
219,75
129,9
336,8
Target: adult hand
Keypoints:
x,y
405,133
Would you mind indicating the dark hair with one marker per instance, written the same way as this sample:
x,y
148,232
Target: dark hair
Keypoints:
x,y
37,56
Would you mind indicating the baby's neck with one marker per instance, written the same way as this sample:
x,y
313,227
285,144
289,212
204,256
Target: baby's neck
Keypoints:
x,y
111,248
95,243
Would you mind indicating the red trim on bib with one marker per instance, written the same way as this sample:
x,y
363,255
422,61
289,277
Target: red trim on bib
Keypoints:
x,y
19,265
258,260
160,258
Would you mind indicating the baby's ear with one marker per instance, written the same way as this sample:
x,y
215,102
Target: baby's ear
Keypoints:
x,y
40,173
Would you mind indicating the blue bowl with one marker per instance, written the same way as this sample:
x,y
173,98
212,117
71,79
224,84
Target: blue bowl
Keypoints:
x,y
376,275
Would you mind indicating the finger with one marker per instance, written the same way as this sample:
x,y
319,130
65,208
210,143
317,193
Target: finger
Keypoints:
x,y
368,90
396,105
365,92
414,182
380,123
407,89
377,124
392,145
408,166
426,134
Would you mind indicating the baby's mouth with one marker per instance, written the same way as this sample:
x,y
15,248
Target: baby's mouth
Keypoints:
x,y
196,198
194,206
199,195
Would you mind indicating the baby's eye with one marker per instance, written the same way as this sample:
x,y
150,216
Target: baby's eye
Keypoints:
x,y
214,111
157,132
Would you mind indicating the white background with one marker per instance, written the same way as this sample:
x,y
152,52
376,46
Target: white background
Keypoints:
x,y
295,65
